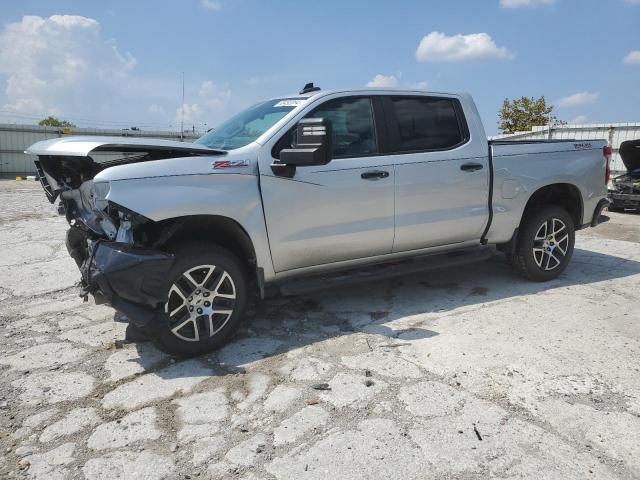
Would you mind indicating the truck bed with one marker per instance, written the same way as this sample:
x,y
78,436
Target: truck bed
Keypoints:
x,y
519,168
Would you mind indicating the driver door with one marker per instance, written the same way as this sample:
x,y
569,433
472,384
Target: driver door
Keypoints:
x,y
340,211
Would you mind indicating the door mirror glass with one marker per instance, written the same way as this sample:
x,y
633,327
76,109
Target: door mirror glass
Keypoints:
x,y
313,144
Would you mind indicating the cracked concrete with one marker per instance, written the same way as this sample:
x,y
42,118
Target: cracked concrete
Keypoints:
x,y
76,420
463,373
121,465
159,385
134,427
44,355
294,427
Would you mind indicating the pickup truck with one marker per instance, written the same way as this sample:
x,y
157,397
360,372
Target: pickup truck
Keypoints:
x,y
178,237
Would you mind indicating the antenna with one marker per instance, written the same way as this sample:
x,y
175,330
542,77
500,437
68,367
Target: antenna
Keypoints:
x,y
308,88
182,112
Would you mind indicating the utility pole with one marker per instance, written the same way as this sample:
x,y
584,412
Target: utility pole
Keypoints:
x,y
182,112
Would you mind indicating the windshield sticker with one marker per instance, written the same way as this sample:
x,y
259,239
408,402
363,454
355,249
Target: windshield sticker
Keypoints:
x,y
291,102
230,164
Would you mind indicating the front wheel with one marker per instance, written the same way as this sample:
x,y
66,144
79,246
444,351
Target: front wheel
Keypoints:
x,y
207,296
545,244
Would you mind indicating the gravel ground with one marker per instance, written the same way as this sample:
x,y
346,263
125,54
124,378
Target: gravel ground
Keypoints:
x,y
463,373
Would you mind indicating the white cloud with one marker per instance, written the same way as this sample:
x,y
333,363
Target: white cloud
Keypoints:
x,y
156,109
394,81
210,4
192,113
577,99
580,119
524,3
384,81
62,65
212,95
438,47
211,98
633,57
58,64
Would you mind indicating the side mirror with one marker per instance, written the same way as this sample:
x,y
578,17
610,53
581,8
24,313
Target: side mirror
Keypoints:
x,y
313,146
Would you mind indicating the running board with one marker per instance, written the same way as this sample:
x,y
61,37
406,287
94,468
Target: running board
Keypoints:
x,y
384,271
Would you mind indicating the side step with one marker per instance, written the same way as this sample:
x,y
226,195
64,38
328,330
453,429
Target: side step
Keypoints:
x,y
383,271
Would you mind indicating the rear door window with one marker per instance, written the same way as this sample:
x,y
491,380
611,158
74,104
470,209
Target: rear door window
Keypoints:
x,y
425,124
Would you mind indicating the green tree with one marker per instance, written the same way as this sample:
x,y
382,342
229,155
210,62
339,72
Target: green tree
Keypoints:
x,y
52,121
521,114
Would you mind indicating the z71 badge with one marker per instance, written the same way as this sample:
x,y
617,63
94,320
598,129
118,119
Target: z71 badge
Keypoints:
x,y
230,163
583,146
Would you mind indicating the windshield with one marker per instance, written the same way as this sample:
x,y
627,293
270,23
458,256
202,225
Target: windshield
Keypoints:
x,y
249,124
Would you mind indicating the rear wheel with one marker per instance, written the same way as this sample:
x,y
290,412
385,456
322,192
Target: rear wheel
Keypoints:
x,y
207,296
545,244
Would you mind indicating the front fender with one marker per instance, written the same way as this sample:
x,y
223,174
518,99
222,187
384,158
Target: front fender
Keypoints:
x,y
231,195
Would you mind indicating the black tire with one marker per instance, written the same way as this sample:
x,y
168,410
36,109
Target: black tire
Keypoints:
x,y
533,265
216,329
135,334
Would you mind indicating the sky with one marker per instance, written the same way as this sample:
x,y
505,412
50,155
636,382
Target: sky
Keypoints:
x,y
119,63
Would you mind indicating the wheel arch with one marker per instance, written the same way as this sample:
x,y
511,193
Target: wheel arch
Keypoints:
x,y
219,229
565,195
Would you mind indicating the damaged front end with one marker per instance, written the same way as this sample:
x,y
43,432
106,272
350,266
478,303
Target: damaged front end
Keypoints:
x,y
111,246
625,191
115,248
129,278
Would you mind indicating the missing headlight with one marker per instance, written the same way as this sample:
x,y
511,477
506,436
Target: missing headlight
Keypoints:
x,y
99,194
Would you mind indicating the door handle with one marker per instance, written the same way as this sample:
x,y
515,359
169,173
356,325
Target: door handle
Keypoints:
x,y
374,175
471,167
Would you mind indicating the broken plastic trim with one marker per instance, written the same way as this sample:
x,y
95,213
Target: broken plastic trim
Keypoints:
x,y
135,217
48,190
131,279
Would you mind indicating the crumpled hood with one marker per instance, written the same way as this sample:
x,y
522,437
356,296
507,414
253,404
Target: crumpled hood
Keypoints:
x,y
630,154
65,163
231,163
83,146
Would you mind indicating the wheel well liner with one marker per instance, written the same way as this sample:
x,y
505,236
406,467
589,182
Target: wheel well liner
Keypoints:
x,y
221,230
563,195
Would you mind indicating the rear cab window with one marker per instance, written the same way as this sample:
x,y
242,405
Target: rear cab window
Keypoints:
x,y
424,124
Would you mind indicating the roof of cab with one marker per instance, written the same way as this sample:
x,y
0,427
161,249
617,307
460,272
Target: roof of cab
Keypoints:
x,y
390,91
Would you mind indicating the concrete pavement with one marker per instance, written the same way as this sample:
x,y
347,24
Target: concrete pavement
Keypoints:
x,y
463,373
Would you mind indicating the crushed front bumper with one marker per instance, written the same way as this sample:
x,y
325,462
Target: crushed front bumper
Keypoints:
x,y
625,200
132,280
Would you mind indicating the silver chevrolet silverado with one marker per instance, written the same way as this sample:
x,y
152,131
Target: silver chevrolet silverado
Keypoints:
x,y
178,237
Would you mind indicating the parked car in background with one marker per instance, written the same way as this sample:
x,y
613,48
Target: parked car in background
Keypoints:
x,y
181,235
625,189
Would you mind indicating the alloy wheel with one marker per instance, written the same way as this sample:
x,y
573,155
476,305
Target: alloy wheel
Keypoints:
x,y
200,302
551,244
